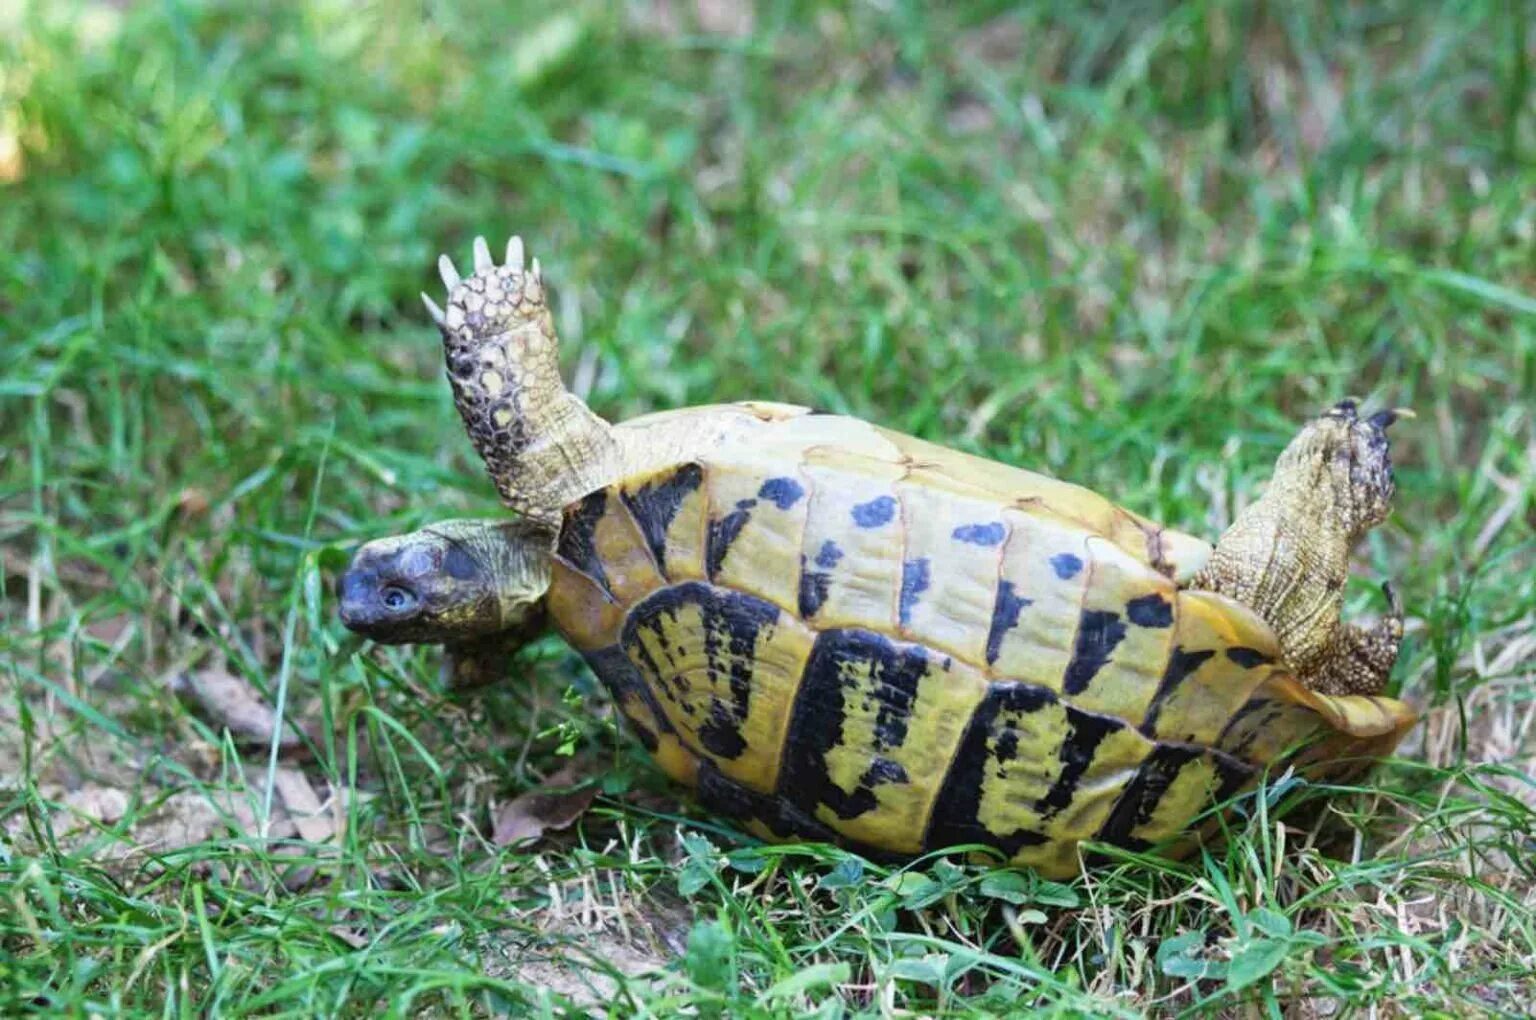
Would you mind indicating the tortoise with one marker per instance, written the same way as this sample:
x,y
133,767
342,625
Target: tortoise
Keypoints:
x,y
833,631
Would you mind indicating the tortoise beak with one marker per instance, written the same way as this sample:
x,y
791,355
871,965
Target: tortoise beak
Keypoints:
x,y
355,591
362,610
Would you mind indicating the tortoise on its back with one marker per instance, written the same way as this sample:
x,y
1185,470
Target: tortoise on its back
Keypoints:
x,y
833,631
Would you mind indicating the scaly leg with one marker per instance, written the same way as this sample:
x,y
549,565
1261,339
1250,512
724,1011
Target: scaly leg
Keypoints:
x,y
1360,659
1287,555
541,444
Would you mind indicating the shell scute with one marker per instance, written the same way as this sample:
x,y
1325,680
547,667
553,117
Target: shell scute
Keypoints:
x,y
1124,634
1221,654
875,727
1035,775
1173,787
670,508
757,521
636,701
951,555
724,668
1335,735
1032,630
850,547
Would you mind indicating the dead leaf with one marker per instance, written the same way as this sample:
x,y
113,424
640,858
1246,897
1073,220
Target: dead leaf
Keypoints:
x,y
309,815
353,938
552,806
110,629
229,701
673,19
189,817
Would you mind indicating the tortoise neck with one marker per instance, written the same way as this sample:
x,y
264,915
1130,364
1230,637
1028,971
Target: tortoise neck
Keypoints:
x,y
517,554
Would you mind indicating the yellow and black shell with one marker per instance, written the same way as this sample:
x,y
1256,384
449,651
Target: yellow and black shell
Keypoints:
x,y
833,631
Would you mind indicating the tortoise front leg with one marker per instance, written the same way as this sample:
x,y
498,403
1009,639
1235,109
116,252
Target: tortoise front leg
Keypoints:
x,y
543,447
480,662
541,444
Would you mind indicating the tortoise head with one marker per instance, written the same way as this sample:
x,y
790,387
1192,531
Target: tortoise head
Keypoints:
x,y
1340,465
446,583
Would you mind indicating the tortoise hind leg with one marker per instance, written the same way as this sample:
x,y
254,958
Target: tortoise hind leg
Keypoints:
x,y
1360,659
1287,555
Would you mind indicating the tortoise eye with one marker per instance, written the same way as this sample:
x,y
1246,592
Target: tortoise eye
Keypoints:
x,y
397,599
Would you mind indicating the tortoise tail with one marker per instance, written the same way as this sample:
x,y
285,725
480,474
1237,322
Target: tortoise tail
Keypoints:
x,y
541,444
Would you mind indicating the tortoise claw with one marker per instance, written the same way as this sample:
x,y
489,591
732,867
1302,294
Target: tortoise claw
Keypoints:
x,y
1393,599
1348,409
483,260
483,263
438,316
446,270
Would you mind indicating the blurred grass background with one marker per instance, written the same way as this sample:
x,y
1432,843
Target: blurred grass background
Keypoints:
x,y
1132,245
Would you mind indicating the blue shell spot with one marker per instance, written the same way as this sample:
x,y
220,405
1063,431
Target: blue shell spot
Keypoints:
x,y
828,555
781,492
884,770
1066,565
988,534
874,513
914,581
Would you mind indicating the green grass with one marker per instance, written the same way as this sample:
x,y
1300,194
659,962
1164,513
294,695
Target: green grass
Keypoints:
x,y
1133,246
